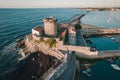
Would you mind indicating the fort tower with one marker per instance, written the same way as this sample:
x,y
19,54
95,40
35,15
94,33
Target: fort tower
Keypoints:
x,y
50,26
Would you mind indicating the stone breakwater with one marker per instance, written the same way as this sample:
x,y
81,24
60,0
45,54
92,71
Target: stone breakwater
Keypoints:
x,y
100,31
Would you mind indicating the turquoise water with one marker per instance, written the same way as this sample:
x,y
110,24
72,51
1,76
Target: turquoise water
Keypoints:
x,y
16,23
109,19
100,70
105,43
107,69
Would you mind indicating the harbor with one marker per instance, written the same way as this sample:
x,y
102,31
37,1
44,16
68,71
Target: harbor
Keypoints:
x,y
85,52
88,31
65,55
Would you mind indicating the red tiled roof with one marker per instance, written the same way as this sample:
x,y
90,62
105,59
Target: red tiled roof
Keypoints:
x,y
63,25
39,28
63,33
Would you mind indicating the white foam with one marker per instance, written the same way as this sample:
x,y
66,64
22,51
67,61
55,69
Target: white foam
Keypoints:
x,y
21,52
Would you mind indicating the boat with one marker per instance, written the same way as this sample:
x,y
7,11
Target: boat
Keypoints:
x,y
109,36
93,48
88,39
109,20
110,60
115,66
112,38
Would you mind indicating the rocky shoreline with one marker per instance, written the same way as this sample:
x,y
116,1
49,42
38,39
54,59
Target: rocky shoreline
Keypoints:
x,y
36,61
32,67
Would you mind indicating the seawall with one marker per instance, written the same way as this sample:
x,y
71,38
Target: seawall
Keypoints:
x,y
65,71
100,31
101,55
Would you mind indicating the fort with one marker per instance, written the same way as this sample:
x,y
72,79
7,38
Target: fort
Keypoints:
x,y
50,30
59,40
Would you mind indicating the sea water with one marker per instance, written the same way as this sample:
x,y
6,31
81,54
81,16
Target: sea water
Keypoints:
x,y
109,19
16,23
107,69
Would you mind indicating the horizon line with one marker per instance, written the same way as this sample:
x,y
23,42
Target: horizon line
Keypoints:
x,y
54,7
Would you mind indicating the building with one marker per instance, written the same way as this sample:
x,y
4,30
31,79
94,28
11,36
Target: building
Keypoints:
x,y
50,26
38,31
72,35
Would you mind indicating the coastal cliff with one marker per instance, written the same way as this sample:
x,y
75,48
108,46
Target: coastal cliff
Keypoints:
x,y
31,68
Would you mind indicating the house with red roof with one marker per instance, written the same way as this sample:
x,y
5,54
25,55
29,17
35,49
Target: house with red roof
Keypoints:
x,y
38,31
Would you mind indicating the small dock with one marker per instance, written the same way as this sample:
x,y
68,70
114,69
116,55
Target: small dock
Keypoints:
x,y
101,55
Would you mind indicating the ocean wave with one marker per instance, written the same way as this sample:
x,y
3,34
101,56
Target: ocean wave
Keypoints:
x,y
10,56
17,31
8,40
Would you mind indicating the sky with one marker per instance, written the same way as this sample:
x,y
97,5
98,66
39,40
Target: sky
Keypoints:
x,y
58,3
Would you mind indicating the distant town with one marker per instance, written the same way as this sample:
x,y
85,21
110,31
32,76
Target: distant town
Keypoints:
x,y
101,9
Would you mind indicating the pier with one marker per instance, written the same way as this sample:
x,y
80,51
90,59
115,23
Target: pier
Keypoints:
x,y
76,19
100,31
101,55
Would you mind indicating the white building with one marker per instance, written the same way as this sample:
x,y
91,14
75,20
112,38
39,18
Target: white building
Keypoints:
x,y
72,35
50,26
38,31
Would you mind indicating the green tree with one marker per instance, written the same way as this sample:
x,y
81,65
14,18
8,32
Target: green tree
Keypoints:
x,y
51,42
36,41
48,41
42,39
78,26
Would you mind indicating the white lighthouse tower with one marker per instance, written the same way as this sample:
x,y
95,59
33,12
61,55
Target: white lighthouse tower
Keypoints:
x,y
50,26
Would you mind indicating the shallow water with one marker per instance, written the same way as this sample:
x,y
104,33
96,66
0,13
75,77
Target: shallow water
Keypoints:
x,y
109,19
105,43
101,70
107,69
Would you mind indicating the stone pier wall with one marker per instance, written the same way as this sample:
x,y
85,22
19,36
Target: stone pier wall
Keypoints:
x,y
65,71
81,49
101,31
61,46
